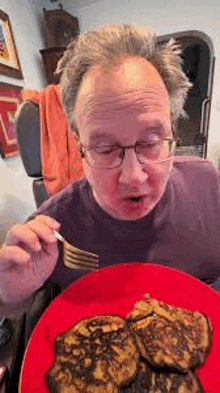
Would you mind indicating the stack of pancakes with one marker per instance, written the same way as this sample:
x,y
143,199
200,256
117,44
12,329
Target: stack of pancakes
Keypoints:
x,y
155,349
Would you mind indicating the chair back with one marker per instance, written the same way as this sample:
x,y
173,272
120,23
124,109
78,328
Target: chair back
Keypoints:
x,y
28,137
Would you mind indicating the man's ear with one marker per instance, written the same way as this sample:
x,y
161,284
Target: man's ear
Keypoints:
x,y
74,132
174,127
76,136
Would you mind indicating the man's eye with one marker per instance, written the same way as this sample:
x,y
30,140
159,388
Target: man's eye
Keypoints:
x,y
150,144
106,150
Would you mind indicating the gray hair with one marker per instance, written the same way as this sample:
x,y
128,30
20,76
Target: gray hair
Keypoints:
x,y
106,46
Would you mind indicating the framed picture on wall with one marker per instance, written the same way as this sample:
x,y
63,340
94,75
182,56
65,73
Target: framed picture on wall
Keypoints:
x,y
9,62
10,100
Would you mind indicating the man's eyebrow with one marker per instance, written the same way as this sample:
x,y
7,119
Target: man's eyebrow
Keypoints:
x,y
100,135
151,124
155,126
153,130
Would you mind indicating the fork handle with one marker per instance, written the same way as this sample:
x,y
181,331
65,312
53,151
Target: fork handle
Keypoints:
x,y
59,236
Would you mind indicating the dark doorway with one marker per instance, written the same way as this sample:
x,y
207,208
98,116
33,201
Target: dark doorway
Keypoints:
x,y
198,63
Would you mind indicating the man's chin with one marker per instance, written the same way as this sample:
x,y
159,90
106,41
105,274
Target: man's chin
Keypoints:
x,y
132,211
134,216
129,209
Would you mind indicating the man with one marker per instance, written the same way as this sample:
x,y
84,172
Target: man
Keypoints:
x,y
123,95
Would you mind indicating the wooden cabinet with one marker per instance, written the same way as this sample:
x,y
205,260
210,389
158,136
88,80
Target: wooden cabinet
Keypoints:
x,y
50,58
59,28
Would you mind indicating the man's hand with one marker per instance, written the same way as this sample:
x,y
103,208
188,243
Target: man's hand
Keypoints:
x,y
27,258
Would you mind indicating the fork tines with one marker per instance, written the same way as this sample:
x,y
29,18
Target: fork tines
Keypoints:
x,y
74,258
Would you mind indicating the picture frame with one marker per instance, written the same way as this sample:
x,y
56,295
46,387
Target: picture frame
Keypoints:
x,y
10,100
9,61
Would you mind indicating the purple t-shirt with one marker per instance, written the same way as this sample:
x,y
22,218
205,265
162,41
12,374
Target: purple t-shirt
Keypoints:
x,y
183,231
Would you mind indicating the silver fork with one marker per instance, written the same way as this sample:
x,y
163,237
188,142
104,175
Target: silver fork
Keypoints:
x,y
75,258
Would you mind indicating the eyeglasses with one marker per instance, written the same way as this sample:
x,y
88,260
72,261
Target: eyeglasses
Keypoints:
x,y
111,156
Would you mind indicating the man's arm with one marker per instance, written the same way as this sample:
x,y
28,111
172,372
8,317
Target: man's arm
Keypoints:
x,y
27,259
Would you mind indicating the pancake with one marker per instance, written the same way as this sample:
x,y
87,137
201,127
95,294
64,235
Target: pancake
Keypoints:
x,y
169,336
98,354
149,380
141,382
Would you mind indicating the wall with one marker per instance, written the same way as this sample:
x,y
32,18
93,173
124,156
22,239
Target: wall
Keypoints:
x,y
16,200
166,16
25,26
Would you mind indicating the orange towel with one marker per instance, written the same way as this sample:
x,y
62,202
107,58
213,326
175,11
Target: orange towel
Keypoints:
x,y
59,155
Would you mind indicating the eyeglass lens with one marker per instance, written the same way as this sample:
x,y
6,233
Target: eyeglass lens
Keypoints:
x,y
112,156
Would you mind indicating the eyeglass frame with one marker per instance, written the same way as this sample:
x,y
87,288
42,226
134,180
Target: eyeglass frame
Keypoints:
x,y
83,149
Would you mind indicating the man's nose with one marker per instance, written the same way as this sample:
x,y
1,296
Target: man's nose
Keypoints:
x,y
132,172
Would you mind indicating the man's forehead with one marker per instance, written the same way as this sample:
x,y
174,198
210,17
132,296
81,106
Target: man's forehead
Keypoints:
x,y
131,71
150,127
128,82
106,110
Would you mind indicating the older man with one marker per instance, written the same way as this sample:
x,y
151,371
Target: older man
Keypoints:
x,y
123,95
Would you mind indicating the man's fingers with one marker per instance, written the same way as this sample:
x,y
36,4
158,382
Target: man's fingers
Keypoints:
x,y
49,221
23,236
33,233
13,255
42,231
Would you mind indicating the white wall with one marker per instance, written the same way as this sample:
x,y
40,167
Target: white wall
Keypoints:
x,y
25,26
166,16
16,200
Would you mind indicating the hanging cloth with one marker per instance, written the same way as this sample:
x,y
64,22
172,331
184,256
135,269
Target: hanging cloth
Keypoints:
x,y
60,159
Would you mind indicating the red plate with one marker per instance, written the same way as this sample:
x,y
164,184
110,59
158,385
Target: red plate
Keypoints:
x,y
114,290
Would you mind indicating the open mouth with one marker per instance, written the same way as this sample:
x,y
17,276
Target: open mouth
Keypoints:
x,y
135,199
